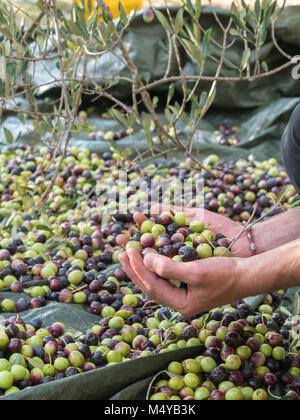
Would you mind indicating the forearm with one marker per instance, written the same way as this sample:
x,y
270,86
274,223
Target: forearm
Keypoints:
x,y
271,271
277,231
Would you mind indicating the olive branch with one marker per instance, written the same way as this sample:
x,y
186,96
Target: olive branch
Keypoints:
x,y
72,41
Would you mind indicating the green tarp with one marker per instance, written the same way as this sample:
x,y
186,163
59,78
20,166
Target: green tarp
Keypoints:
x,y
117,381
260,108
103,383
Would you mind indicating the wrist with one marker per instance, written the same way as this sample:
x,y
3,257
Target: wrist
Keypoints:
x,y
277,231
273,270
245,273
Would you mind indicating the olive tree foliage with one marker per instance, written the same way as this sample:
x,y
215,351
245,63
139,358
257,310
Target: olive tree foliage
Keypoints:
x,y
75,38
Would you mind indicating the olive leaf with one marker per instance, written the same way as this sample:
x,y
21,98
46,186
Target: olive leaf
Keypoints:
x,y
234,32
203,100
265,66
18,360
41,6
5,31
179,21
190,33
165,346
238,22
245,58
176,314
296,305
295,342
193,51
296,201
104,15
257,9
205,318
27,291
46,258
163,46
45,220
74,29
149,139
103,31
250,329
10,219
206,43
229,64
34,363
132,119
68,203
163,20
54,242
127,152
283,310
155,101
147,77
168,115
43,227
8,135
78,334
117,115
211,98
14,232
123,16
252,20
198,9
282,194
280,197
172,375
197,33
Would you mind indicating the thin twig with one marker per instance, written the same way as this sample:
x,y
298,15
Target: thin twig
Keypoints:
x,y
252,78
288,56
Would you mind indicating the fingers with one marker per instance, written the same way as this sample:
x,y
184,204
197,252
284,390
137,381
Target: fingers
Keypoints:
x,y
124,260
139,219
155,287
168,269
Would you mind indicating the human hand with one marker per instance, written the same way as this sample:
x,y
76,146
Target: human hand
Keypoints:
x,y
213,282
210,283
218,281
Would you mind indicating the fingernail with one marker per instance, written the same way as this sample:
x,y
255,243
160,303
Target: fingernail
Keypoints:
x,y
149,261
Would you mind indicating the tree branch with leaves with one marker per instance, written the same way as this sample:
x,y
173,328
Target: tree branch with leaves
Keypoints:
x,y
72,40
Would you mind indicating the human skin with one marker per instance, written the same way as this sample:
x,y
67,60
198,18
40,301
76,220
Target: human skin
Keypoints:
x,y
218,281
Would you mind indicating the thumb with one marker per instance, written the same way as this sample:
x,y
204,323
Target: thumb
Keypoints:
x,y
168,269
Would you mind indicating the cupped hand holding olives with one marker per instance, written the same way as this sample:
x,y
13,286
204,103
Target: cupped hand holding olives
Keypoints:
x,y
190,265
210,282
